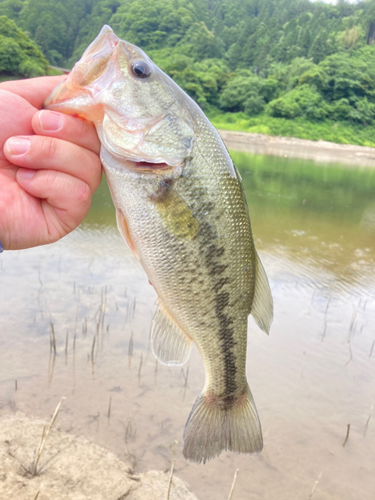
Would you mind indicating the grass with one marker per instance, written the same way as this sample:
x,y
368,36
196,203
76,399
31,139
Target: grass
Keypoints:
x,y
339,132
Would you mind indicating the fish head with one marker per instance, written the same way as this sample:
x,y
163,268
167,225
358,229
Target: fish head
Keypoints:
x,y
139,112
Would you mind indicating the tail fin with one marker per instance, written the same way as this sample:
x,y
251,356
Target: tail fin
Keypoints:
x,y
214,425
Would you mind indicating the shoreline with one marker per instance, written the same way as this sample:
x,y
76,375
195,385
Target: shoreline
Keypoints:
x,y
318,151
71,466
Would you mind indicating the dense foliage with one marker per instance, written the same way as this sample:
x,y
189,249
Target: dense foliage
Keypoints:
x,y
289,59
18,54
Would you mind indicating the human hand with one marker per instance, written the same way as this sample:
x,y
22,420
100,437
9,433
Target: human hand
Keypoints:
x,y
51,193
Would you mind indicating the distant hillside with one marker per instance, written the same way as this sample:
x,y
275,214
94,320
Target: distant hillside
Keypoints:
x,y
290,59
19,56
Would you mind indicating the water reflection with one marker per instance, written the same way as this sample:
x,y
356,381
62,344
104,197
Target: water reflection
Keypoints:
x,y
320,218
88,297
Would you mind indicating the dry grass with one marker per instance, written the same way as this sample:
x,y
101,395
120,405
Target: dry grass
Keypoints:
x,y
45,434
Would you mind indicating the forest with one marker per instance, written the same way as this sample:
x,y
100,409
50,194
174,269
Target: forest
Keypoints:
x,y
285,67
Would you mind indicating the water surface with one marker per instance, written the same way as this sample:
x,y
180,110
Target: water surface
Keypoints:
x,y
88,297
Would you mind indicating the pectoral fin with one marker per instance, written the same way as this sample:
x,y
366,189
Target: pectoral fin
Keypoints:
x,y
262,306
123,227
175,213
169,344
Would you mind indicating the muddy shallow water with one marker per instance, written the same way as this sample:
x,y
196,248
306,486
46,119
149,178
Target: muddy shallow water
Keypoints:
x,y
87,297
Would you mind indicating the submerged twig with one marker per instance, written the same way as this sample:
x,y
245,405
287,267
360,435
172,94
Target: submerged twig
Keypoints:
x,y
104,307
324,330
372,348
347,436
93,348
351,356
315,485
51,365
352,326
130,432
156,371
75,323
149,341
139,369
367,421
74,357
66,346
130,349
52,338
109,408
325,318
233,485
134,304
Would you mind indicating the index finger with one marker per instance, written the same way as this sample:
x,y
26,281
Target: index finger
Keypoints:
x,y
34,90
69,128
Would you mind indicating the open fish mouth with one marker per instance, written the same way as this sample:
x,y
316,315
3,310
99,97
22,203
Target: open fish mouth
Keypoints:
x,y
142,166
146,165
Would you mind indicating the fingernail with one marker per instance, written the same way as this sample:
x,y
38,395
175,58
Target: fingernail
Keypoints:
x,y
18,145
24,174
49,120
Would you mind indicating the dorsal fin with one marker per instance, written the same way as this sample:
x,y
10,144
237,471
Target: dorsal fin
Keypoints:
x,y
262,306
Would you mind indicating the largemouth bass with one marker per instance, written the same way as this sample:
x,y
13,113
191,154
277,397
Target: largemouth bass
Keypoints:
x,y
181,208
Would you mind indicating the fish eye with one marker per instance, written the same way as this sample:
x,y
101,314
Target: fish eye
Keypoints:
x,y
141,69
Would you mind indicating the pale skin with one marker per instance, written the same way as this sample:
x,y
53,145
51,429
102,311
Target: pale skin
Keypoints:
x,y
49,166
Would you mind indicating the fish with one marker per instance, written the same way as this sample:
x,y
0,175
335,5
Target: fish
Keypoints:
x,y
181,208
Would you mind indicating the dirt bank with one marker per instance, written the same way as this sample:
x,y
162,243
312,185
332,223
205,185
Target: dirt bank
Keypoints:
x,y
72,468
319,151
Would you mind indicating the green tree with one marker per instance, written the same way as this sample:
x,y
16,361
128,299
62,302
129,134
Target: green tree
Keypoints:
x,y
19,55
304,101
243,93
319,48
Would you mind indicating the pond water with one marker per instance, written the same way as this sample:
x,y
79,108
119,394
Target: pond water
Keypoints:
x,y
75,322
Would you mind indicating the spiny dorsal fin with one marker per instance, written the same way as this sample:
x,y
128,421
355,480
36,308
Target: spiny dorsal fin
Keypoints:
x,y
262,306
169,344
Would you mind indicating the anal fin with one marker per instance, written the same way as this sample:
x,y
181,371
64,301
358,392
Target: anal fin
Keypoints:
x,y
169,343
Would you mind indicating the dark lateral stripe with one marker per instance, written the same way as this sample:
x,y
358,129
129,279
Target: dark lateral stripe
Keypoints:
x,y
213,255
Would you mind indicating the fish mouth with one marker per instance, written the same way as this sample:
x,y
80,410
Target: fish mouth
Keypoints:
x,y
149,167
138,165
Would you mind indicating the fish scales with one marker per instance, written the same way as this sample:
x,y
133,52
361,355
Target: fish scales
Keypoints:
x,y
204,301
181,208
